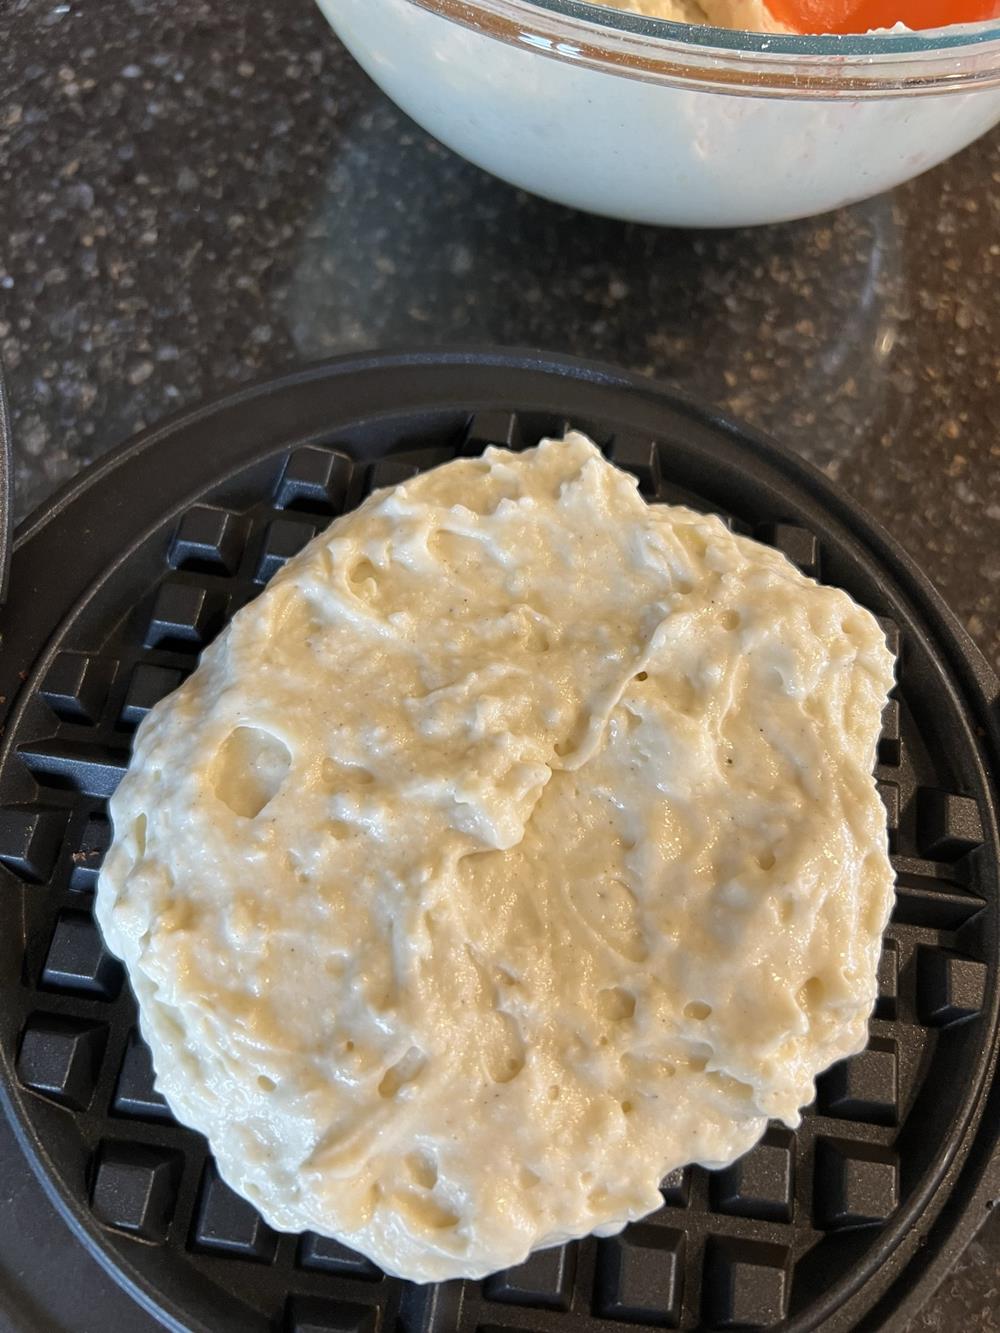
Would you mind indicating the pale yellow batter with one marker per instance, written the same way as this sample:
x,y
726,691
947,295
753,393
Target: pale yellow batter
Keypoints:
x,y
747,15
516,846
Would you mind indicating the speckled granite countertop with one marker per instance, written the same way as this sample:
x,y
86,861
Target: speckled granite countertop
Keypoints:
x,y
194,194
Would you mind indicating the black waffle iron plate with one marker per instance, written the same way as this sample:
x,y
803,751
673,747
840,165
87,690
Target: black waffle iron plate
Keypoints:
x,y
115,588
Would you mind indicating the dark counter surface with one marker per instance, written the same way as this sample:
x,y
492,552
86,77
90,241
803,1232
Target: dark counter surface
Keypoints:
x,y
192,195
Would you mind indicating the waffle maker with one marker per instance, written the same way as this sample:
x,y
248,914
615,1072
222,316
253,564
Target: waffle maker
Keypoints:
x,y
119,582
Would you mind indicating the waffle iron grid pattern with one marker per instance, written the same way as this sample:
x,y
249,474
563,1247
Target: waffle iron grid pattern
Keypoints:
x,y
741,1248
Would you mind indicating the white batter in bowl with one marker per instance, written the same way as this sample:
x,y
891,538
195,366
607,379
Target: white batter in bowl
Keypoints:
x,y
654,121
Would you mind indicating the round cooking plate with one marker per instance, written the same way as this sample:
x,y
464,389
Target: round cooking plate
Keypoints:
x,y
115,588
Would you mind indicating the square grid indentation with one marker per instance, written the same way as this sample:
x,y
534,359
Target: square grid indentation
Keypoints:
x,y
703,1253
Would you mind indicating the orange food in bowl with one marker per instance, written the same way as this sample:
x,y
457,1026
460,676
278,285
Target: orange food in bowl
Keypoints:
x,y
844,16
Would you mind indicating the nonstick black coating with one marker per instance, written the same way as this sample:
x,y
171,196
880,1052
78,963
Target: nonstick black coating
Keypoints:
x,y
119,583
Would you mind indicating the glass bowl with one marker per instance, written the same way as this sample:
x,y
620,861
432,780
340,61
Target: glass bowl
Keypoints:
x,y
661,122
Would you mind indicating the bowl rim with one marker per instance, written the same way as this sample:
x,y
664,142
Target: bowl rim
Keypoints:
x,y
905,63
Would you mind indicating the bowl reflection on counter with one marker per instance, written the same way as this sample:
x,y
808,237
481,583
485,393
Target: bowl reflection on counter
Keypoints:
x,y
660,122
